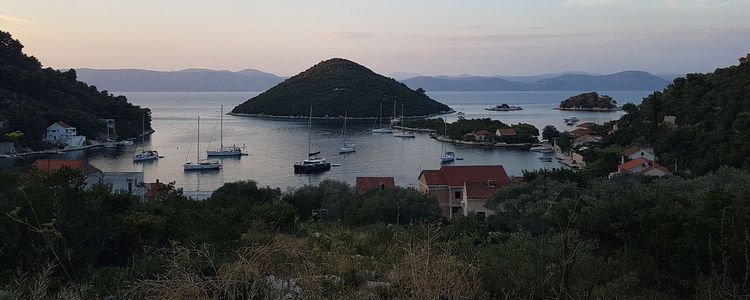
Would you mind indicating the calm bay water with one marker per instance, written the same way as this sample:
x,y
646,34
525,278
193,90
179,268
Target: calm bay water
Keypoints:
x,y
275,145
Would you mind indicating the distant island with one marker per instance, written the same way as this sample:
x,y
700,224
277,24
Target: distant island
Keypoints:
x,y
338,86
188,80
589,102
628,80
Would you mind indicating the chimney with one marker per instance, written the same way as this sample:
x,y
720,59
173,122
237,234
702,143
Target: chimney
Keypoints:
x,y
157,180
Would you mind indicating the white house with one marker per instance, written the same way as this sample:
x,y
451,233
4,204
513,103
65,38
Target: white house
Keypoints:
x,y
638,152
61,133
643,166
121,182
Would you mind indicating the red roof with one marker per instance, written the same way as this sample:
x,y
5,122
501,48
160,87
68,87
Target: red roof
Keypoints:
x,y
63,124
579,132
365,184
588,125
506,131
153,189
480,190
483,132
632,150
632,164
458,175
52,165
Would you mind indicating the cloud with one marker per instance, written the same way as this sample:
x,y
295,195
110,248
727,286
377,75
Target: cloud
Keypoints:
x,y
348,35
13,19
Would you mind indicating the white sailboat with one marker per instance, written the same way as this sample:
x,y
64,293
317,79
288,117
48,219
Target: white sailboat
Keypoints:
x,y
233,150
394,119
201,164
311,164
346,148
403,133
377,127
446,157
145,155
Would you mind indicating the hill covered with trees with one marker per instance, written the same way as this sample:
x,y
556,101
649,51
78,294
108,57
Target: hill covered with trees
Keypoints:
x,y
32,98
588,101
338,85
698,124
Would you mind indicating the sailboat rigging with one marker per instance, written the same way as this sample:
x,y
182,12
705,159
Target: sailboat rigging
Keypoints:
x,y
377,127
403,133
346,148
145,155
233,150
311,164
201,164
448,156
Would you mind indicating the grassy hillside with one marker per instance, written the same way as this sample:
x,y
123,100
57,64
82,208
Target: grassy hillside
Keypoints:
x,y
31,98
338,85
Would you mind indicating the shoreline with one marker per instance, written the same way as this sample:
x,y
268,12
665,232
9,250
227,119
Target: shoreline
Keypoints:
x,y
521,146
271,117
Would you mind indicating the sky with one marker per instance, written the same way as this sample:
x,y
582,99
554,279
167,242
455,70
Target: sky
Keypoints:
x,y
430,37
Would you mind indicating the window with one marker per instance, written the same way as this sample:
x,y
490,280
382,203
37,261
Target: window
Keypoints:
x,y
130,187
457,195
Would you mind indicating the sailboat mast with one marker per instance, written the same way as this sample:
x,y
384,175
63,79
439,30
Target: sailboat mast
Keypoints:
x,y
343,131
198,149
221,127
309,132
143,133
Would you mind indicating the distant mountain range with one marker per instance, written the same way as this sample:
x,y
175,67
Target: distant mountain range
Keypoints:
x,y
250,80
188,80
578,81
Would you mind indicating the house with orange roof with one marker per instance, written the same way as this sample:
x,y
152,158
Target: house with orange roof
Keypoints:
x,y
121,182
579,132
61,133
448,184
587,139
366,184
638,152
643,166
475,198
505,132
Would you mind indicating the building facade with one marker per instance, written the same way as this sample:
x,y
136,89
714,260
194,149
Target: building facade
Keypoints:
x,y
448,184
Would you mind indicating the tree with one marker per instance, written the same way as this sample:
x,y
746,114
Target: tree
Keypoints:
x,y
550,132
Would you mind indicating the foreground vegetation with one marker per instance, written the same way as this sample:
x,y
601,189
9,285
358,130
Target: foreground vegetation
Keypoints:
x,y
559,235
32,98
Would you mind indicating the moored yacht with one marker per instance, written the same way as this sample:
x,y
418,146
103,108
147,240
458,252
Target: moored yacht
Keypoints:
x,y
314,164
346,148
201,164
233,150
145,155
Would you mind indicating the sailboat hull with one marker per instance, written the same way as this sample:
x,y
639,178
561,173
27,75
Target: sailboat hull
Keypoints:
x,y
311,168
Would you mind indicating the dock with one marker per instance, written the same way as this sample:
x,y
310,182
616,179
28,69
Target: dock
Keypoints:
x,y
414,129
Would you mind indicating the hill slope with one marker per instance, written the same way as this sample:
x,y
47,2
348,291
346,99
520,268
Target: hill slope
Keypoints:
x,y
473,83
338,85
712,121
629,80
31,98
188,80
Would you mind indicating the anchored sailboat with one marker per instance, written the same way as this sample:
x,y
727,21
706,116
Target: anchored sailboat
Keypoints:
x,y
233,150
377,127
314,164
201,164
145,155
346,148
403,133
446,157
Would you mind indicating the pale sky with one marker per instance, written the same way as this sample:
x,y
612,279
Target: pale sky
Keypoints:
x,y
432,37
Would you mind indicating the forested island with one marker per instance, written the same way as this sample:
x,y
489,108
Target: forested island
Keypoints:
x,y
338,86
589,102
32,98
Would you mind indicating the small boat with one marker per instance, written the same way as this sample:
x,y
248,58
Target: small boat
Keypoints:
x,y
315,164
541,149
233,150
201,164
145,155
403,134
571,119
504,107
335,165
377,127
546,158
447,157
571,123
346,148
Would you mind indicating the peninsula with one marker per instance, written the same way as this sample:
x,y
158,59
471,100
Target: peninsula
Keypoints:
x,y
336,86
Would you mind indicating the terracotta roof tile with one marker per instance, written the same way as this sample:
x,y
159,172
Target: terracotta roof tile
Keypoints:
x,y
365,184
480,190
506,131
458,175
51,165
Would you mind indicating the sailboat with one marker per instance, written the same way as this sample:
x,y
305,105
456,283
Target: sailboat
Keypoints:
x,y
201,164
446,157
346,148
145,155
233,150
314,164
403,134
377,127
394,119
